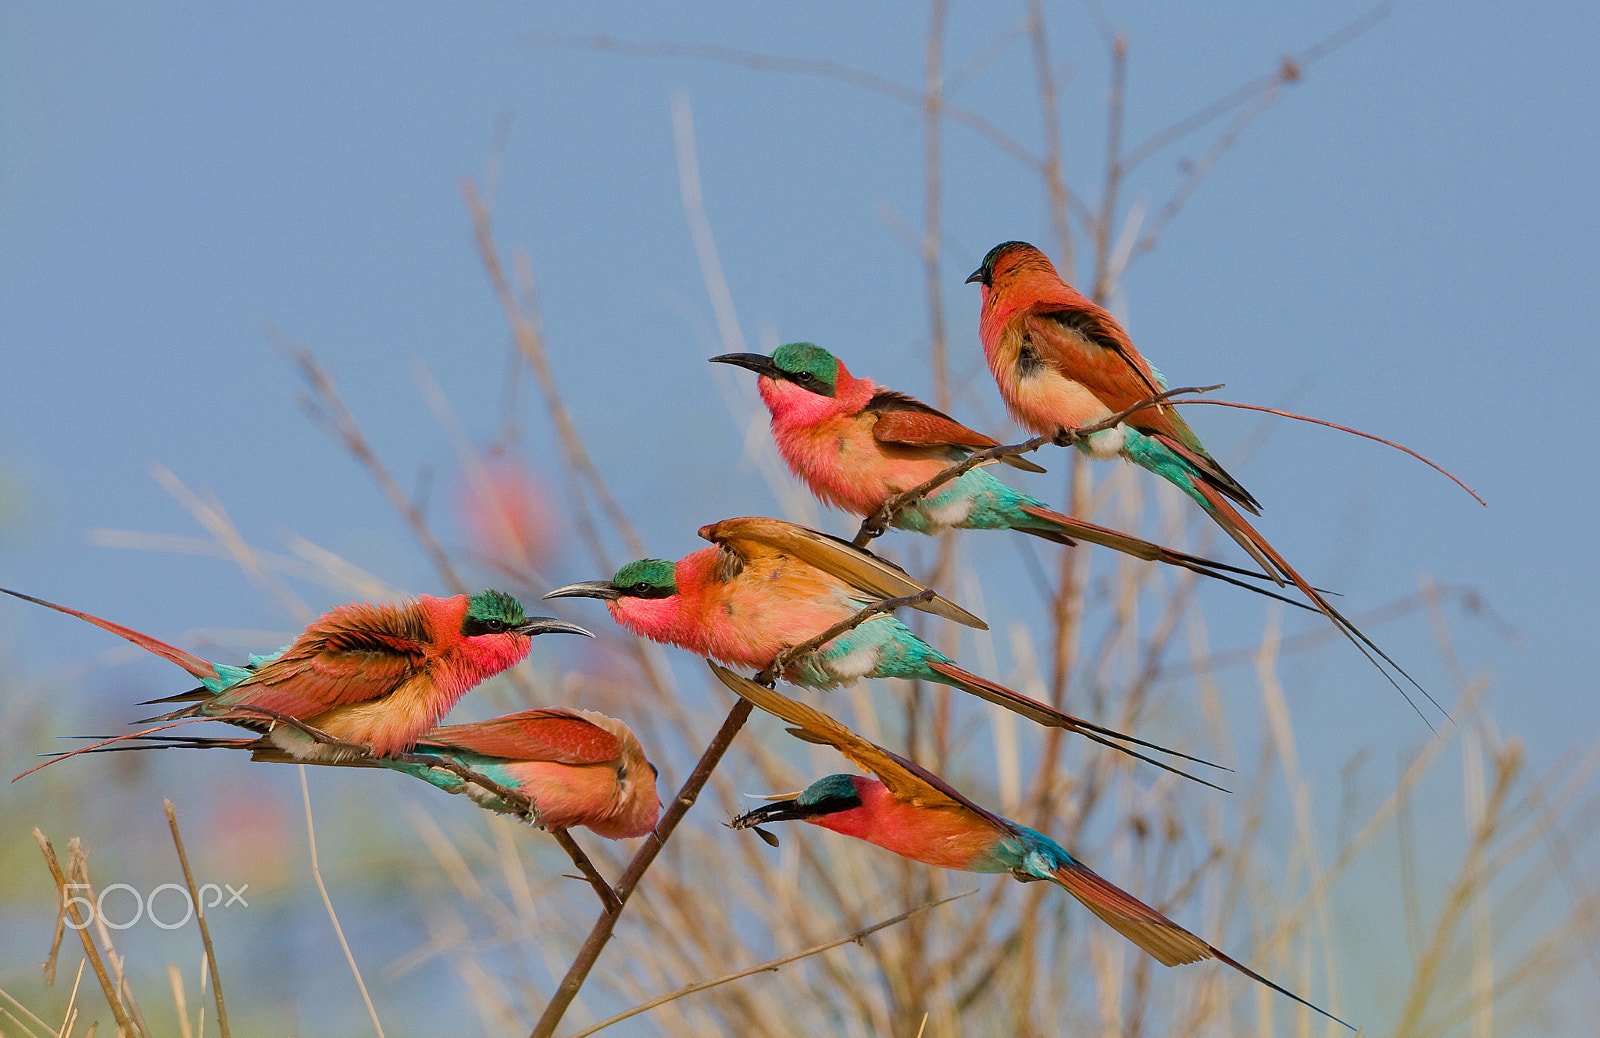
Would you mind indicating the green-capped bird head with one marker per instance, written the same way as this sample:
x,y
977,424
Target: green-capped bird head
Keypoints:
x,y
828,795
804,364
645,578
495,612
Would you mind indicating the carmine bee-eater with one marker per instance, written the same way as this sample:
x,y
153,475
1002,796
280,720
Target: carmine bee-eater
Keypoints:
x,y
375,676
1062,362
578,767
767,585
916,814
856,444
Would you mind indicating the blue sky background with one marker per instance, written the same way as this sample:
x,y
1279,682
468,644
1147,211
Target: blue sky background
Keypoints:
x,y
1405,243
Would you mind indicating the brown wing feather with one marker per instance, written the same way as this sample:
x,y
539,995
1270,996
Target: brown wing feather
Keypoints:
x,y
352,654
905,780
860,569
1087,345
552,734
907,421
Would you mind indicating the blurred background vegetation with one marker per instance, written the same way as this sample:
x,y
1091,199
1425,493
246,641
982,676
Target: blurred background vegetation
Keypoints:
x,y
1416,883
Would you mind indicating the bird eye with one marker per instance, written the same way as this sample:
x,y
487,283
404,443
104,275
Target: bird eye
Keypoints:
x,y
642,587
802,376
495,626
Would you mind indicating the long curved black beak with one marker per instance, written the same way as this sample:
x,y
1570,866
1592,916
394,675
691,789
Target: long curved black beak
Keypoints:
x,y
781,811
587,589
976,275
760,363
549,625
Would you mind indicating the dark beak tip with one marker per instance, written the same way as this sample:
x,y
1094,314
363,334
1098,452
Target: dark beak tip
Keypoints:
x,y
551,625
976,275
760,363
585,589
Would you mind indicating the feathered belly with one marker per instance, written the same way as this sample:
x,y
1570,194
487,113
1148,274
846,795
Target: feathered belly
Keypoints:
x,y
846,468
1047,401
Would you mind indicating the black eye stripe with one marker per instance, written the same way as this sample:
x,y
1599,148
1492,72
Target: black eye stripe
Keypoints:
x,y
473,626
645,589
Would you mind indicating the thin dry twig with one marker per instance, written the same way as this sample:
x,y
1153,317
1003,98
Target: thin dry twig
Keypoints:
x,y
69,907
30,1014
589,953
200,918
770,966
799,66
327,902
529,811
1289,70
1353,432
345,426
772,671
876,524
575,454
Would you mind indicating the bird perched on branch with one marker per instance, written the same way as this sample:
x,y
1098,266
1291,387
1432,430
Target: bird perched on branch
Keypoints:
x,y
576,767
1063,362
767,586
916,814
373,677
856,444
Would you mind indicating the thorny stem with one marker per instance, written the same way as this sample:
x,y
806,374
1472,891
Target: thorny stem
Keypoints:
x,y
875,524
603,927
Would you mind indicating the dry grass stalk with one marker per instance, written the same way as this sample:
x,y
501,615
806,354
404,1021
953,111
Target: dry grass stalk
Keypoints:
x,y
70,909
200,920
1010,959
327,903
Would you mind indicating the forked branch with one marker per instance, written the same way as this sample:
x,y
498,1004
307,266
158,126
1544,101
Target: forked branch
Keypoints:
x,y
769,966
589,954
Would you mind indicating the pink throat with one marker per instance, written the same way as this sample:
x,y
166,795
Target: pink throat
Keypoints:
x,y
794,407
672,620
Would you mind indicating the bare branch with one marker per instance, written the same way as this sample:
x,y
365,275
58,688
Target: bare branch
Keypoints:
x,y
327,902
355,441
1353,432
798,66
769,966
874,525
575,454
770,674
589,954
1289,70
